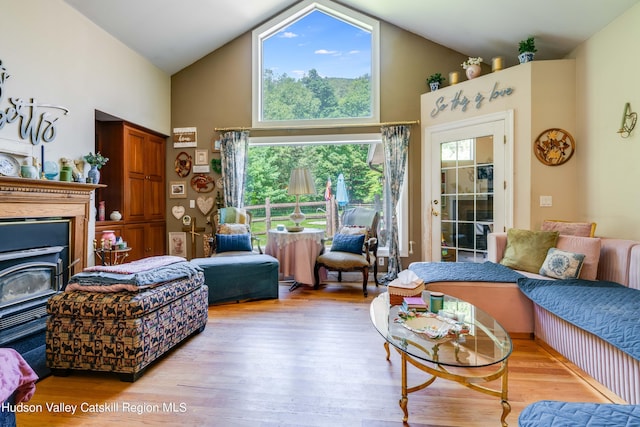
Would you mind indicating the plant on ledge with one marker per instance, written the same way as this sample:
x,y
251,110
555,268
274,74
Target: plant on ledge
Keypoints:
x,y
527,49
97,160
471,61
435,80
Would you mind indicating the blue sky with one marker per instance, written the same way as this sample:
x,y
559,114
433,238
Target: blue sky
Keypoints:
x,y
331,46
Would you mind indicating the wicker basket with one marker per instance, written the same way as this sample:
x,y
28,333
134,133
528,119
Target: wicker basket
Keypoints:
x,y
397,293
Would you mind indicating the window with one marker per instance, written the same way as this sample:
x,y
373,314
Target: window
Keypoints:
x,y
272,158
316,64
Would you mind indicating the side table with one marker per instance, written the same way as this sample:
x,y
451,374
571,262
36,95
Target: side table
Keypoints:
x,y
296,252
112,256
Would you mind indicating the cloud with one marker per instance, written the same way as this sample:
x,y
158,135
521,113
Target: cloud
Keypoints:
x,y
353,52
288,35
298,73
325,52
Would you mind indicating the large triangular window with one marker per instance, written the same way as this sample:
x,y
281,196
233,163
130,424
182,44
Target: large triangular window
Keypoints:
x,y
316,64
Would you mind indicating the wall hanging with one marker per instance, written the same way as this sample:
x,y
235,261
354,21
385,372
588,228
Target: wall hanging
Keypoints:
x,y
554,146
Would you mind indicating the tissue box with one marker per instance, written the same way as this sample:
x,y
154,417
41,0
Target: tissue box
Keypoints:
x,y
398,291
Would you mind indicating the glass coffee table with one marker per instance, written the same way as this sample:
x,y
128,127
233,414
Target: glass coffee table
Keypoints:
x,y
461,343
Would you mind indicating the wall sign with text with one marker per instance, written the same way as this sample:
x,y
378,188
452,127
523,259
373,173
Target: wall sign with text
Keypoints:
x,y
460,101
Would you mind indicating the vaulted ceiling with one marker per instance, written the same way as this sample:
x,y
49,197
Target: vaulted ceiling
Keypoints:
x,y
174,34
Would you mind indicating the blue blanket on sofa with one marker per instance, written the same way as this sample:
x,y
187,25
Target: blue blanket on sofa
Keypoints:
x,y
488,271
577,414
608,310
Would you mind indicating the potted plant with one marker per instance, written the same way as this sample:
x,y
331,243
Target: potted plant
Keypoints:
x,y
435,80
472,67
96,161
527,49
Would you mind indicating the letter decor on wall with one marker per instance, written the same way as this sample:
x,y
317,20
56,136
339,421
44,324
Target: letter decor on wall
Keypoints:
x,y
459,100
36,122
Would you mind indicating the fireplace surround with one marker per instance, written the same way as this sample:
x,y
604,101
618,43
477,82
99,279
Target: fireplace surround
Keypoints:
x,y
44,239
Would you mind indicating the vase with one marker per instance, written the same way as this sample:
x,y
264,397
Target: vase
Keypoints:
x,y
108,239
473,71
115,216
434,86
525,57
93,175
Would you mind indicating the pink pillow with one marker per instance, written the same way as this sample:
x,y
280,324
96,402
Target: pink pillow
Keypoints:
x,y
584,229
589,246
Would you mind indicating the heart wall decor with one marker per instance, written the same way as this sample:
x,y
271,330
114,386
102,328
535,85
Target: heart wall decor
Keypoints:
x,y
177,211
205,204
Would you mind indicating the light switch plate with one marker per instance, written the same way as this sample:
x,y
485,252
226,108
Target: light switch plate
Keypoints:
x,y
546,201
192,204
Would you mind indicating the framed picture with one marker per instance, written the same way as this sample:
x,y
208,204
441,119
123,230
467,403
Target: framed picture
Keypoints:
x,y
202,157
216,145
178,190
178,243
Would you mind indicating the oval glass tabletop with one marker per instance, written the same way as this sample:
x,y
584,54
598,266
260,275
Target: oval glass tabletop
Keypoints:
x,y
461,335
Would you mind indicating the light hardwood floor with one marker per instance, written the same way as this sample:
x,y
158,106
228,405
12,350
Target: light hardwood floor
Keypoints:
x,y
310,358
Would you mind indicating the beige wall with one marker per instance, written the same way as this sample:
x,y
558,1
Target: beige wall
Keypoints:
x,y
216,92
607,77
59,57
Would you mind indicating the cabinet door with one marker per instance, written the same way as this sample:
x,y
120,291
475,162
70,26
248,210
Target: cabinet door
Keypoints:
x,y
154,178
156,239
134,234
134,161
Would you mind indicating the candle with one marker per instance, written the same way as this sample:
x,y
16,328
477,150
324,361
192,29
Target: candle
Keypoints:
x,y
454,77
496,63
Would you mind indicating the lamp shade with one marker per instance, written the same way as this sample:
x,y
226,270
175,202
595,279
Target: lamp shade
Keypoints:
x,y
301,182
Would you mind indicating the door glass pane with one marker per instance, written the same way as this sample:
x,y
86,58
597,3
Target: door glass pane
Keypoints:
x,y
466,169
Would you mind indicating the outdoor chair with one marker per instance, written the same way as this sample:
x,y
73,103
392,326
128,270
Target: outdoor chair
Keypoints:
x,y
354,248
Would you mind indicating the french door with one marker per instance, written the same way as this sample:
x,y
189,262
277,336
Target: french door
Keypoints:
x,y
470,168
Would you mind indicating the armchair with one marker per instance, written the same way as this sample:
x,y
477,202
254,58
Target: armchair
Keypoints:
x,y
352,247
232,233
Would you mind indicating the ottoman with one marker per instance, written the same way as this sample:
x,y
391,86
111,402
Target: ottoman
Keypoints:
x,y
124,331
239,277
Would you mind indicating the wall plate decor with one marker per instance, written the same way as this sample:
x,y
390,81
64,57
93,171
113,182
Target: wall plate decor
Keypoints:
x,y
183,164
186,220
203,183
554,146
204,204
178,211
220,183
9,166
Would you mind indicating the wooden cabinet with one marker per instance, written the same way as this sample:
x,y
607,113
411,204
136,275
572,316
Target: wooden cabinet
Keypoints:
x,y
135,183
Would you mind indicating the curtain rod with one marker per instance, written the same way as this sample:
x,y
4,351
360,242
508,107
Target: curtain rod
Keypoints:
x,y
354,125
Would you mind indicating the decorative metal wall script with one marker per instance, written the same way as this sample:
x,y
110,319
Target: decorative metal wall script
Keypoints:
x,y
460,101
37,123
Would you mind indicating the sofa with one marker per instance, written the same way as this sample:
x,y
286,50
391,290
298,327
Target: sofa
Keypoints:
x,y
617,261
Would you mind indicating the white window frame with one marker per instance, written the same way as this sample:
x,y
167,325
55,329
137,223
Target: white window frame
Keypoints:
x,y
368,138
286,18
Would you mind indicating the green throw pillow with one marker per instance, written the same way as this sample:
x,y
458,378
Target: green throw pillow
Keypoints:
x,y
526,250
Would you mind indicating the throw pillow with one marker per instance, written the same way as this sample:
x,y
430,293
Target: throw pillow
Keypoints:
x,y
562,264
347,243
233,242
526,250
566,228
354,229
231,228
589,246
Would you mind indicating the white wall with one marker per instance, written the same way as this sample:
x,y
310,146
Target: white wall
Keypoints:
x,y
607,75
57,56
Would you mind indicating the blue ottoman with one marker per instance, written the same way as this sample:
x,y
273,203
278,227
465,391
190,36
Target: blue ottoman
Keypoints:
x,y
233,278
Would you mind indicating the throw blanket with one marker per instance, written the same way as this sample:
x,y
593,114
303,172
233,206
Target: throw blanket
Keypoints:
x,y
138,266
577,414
16,376
464,272
131,278
608,310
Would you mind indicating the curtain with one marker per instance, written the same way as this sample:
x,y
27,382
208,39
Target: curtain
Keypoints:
x,y
395,143
234,146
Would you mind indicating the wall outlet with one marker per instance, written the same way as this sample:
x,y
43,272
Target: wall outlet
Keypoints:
x,y
381,261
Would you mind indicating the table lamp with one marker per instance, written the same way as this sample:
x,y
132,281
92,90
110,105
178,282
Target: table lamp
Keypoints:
x,y
300,182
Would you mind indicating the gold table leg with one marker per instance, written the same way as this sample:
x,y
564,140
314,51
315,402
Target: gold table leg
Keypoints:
x,y
468,381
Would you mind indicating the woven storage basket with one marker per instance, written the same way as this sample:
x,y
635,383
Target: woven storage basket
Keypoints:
x,y
397,293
